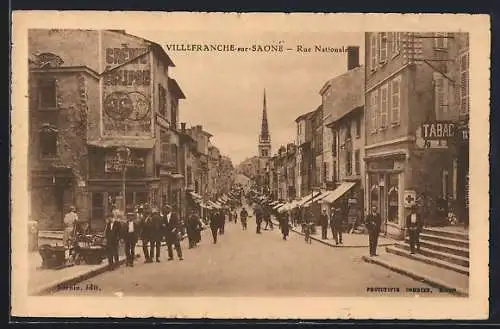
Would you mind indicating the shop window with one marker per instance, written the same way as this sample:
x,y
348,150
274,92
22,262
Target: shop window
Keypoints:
x,y
47,94
97,211
374,191
393,198
48,143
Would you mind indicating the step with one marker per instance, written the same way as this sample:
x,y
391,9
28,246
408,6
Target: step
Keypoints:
x,y
453,282
428,260
445,240
454,250
445,233
450,258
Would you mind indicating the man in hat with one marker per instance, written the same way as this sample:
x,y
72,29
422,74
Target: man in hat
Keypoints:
x,y
414,226
373,224
130,236
171,224
336,225
112,235
146,232
156,234
323,219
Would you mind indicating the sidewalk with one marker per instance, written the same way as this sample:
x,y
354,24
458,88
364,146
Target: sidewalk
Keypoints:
x,y
354,240
447,280
43,281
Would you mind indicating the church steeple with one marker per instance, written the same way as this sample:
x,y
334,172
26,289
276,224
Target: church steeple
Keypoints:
x,y
264,129
264,137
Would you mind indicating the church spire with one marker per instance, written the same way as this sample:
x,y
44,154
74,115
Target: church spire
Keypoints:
x,y
264,130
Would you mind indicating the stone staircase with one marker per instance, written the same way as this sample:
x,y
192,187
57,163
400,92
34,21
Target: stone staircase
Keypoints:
x,y
445,248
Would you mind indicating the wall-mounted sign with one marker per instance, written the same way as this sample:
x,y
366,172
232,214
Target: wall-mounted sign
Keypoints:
x,y
113,164
381,165
126,93
438,130
410,198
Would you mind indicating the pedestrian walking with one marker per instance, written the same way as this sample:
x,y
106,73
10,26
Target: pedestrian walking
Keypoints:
x,y
146,232
222,221
337,225
112,235
267,218
414,226
243,218
373,223
214,225
323,219
156,236
284,224
172,232
308,230
193,228
235,216
258,218
130,236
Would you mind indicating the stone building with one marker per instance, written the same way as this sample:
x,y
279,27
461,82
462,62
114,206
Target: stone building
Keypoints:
x,y
416,91
90,93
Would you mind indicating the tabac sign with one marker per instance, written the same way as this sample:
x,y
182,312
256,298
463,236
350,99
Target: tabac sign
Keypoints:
x,y
126,96
435,134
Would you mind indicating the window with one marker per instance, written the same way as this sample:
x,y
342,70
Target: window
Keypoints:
x,y
383,47
358,127
173,114
373,52
347,132
48,143
334,171
384,106
440,40
264,153
396,43
464,83
440,95
162,100
334,143
47,94
357,164
374,109
348,163
395,100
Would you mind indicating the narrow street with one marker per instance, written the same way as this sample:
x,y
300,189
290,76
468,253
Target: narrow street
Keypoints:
x,y
244,263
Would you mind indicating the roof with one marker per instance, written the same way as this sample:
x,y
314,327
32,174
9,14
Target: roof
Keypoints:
x,y
156,48
305,116
175,88
136,143
337,119
343,75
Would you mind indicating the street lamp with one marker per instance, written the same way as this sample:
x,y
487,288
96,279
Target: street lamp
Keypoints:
x,y
123,154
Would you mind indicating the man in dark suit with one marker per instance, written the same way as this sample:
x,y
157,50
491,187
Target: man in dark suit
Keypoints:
x,y
373,223
130,234
323,219
156,234
414,226
337,224
112,235
146,233
258,217
214,224
172,231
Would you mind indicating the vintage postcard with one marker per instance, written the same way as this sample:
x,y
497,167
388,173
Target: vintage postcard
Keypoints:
x,y
250,166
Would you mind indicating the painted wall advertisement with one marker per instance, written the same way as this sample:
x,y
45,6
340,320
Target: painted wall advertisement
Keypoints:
x,y
127,92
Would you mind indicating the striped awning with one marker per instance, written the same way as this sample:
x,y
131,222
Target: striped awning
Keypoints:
x,y
338,192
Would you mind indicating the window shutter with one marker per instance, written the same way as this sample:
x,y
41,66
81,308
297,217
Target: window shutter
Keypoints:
x,y
383,47
395,100
384,106
373,51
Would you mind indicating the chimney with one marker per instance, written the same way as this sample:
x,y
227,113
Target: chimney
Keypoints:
x,y
183,127
352,57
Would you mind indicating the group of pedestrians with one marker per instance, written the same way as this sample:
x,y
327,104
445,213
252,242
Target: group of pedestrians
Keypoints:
x,y
150,226
336,222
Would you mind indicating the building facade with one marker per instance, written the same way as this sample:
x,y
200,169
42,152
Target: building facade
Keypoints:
x,y
92,92
303,154
414,97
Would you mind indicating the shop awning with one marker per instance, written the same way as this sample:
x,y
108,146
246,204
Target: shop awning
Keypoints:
x,y
215,204
308,197
279,205
274,203
317,198
139,143
195,195
338,192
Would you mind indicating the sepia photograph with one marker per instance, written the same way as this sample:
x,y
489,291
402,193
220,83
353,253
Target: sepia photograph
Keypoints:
x,y
251,160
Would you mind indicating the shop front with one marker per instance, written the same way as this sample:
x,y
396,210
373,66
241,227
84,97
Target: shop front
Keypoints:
x,y
385,184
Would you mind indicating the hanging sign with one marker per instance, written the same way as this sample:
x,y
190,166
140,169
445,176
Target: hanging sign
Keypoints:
x,y
410,198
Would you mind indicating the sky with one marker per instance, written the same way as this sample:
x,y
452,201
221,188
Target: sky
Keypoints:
x,y
224,90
